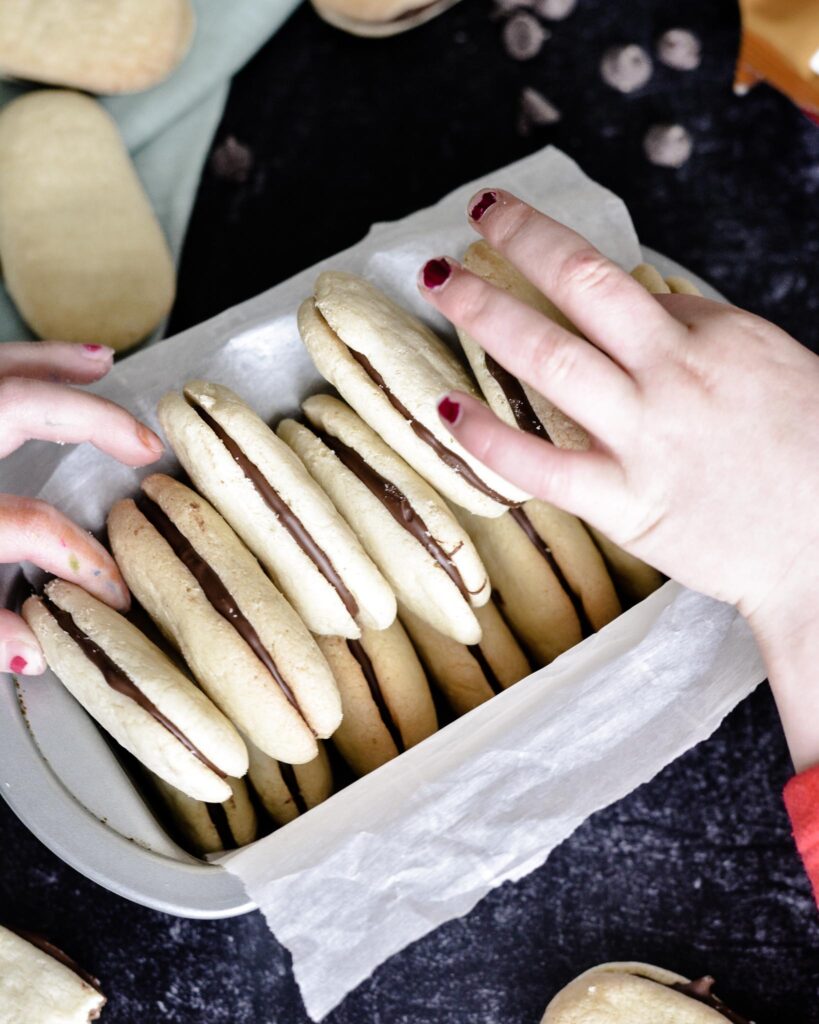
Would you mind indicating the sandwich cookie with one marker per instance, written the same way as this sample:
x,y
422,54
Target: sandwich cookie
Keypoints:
x,y
288,790
385,695
379,18
406,528
243,642
264,491
521,406
39,984
392,370
635,993
211,827
135,692
549,578
470,674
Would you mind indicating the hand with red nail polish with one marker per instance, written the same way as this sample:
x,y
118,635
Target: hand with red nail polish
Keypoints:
x,y
703,422
38,401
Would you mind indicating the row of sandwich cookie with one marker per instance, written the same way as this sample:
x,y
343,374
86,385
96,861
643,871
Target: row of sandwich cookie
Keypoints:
x,y
209,596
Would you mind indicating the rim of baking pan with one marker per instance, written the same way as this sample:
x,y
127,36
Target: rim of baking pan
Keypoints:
x,y
192,888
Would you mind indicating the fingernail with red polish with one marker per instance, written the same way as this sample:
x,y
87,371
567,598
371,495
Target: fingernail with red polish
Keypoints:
x,y
449,410
18,663
96,351
482,205
149,439
435,273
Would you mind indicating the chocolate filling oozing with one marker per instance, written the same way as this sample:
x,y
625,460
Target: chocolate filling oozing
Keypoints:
x,y
701,990
356,648
57,954
283,513
477,653
525,523
116,678
455,462
396,503
525,416
214,589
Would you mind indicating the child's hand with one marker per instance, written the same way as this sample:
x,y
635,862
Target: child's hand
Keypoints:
x,y
704,419
35,402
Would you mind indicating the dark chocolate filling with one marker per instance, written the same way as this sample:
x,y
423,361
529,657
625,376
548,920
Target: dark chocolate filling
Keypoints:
x,y
116,678
525,523
396,503
290,779
214,589
221,822
357,650
523,411
281,510
57,954
477,653
455,462
701,990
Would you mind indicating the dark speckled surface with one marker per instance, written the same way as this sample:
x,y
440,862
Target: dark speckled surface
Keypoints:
x,y
695,870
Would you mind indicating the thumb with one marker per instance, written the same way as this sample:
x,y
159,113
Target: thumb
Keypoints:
x,y
19,651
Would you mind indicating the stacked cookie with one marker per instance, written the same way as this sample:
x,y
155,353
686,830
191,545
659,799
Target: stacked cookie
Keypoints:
x,y
322,573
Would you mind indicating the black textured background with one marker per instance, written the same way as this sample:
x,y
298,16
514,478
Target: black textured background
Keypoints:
x,y
696,870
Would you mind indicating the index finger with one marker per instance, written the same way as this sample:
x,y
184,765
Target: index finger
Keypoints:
x,y
33,531
55,361
612,309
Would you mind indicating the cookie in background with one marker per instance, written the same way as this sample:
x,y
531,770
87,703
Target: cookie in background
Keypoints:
x,y
637,993
99,46
39,984
84,258
288,790
388,707
469,674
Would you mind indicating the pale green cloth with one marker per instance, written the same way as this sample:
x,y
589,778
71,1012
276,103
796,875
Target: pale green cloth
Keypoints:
x,y
168,129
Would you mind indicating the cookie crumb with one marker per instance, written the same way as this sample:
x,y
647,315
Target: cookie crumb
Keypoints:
x,y
679,49
668,145
232,161
626,68
523,36
503,8
555,10
535,110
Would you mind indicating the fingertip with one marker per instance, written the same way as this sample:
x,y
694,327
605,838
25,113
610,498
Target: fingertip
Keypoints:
x,y
450,409
21,659
435,273
480,204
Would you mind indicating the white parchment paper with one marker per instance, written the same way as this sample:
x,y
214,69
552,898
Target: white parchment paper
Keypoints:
x,y
486,799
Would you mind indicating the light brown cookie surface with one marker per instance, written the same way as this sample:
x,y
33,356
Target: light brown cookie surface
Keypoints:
x,y
422,550
102,46
135,693
211,827
286,791
468,675
385,695
392,370
266,494
84,257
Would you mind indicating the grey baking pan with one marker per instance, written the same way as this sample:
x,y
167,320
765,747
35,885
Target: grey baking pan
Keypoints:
x,y
77,797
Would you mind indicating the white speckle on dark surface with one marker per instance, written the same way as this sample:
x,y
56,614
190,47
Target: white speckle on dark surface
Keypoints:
x,y
626,68
523,36
680,49
503,8
668,145
554,10
535,111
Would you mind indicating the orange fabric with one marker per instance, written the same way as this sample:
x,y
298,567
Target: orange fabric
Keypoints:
x,y
802,801
779,38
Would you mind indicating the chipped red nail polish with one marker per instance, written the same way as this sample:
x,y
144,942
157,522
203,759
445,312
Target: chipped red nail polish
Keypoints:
x,y
92,348
449,410
479,209
436,272
17,663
